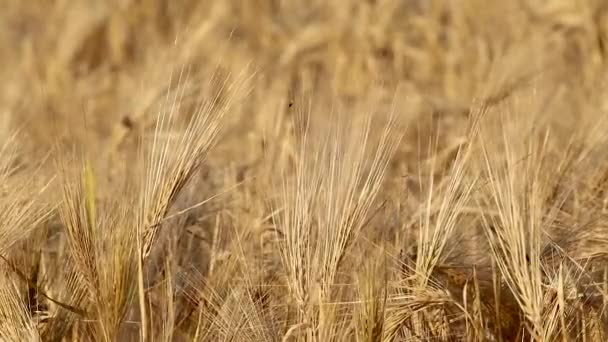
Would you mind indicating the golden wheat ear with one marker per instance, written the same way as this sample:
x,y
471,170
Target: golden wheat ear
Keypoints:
x,y
174,158
101,236
16,324
22,202
325,204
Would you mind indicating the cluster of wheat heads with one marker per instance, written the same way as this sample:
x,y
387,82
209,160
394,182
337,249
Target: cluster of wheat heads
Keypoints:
x,y
499,236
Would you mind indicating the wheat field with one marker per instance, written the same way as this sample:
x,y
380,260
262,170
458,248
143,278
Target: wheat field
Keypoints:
x,y
290,170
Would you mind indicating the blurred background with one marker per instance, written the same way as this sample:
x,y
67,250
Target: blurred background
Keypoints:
x,y
68,64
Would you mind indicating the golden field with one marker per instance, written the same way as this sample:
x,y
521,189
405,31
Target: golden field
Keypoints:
x,y
288,170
